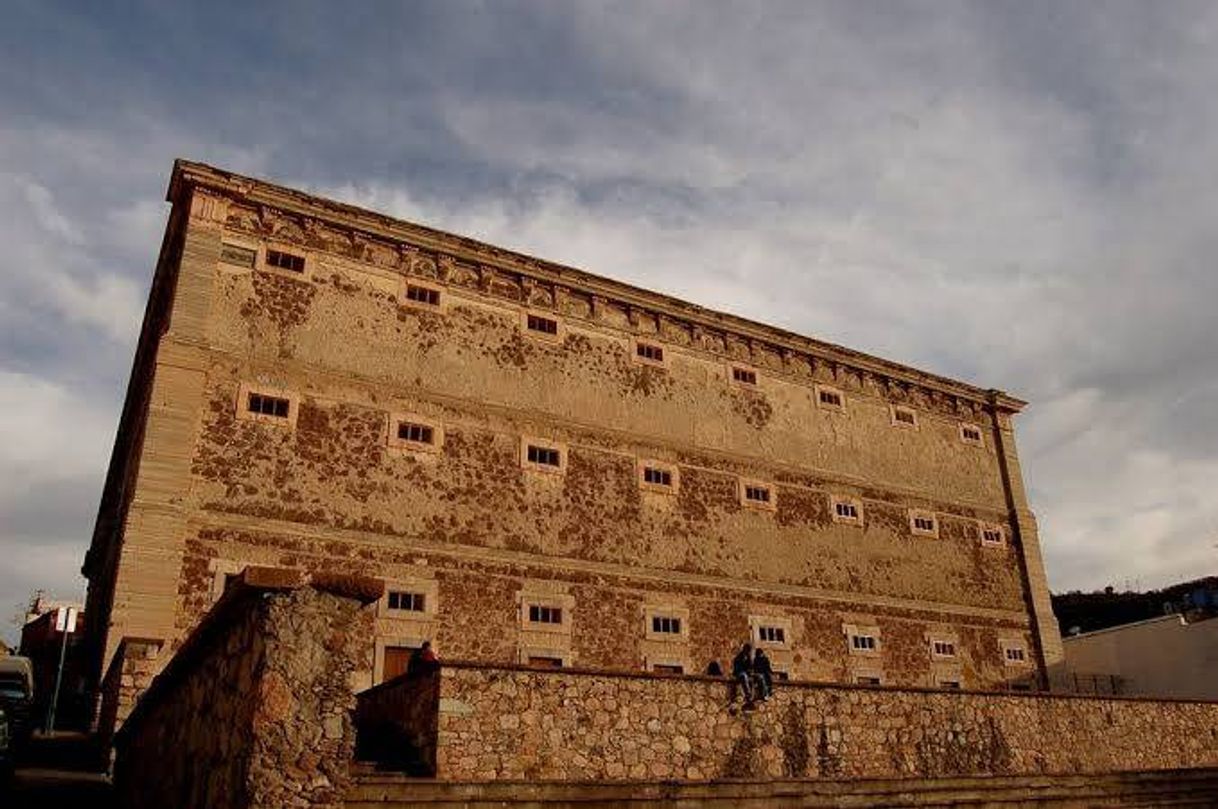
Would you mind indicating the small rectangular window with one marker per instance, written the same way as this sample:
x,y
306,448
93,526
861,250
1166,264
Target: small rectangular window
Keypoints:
x,y
657,477
757,494
665,625
846,510
992,535
862,643
951,685
402,601
236,254
772,634
943,648
867,679
544,325
668,668
416,433
1015,654
649,352
830,397
264,405
421,294
744,376
970,434
544,456
904,416
539,614
285,261
924,523
544,662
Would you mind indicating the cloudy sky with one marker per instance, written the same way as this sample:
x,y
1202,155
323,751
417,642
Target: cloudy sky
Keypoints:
x,y
1019,194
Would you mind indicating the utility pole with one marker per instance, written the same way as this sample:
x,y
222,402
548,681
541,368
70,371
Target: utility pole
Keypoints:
x,y
65,622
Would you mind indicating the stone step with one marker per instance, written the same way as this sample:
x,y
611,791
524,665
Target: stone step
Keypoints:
x,y
1155,788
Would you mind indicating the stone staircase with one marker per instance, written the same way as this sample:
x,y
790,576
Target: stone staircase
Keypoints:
x,y
1194,788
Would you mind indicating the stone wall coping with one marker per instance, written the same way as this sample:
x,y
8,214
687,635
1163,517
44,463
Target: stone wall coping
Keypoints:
x,y
780,684
250,589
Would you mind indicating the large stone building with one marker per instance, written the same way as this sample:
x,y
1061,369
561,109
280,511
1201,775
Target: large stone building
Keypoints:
x,y
548,466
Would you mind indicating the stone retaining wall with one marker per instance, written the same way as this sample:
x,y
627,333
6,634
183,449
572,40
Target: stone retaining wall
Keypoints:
x,y
512,723
254,710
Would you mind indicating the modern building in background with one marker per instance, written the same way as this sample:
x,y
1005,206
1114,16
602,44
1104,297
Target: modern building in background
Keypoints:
x,y
549,467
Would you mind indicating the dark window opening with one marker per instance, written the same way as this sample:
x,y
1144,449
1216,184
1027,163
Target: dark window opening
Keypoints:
x,y
772,634
544,662
265,405
545,325
544,456
846,510
744,375
650,352
865,680
668,668
285,261
971,434
657,477
945,648
416,433
544,615
905,416
953,685
831,398
406,602
425,295
665,625
924,523
864,643
758,494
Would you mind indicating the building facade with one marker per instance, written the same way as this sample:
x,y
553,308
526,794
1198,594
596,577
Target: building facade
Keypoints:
x,y
1168,656
549,467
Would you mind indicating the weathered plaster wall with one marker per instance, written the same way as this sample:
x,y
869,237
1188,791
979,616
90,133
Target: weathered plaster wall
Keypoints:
x,y
478,614
255,708
514,724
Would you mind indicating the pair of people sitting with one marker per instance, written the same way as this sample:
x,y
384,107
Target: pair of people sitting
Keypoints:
x,y
753,674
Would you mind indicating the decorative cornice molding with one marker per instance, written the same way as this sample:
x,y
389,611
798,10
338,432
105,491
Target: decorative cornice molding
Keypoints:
x,y
282,214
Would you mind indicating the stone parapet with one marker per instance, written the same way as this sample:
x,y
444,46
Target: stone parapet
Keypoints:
x,y
254,709
504,723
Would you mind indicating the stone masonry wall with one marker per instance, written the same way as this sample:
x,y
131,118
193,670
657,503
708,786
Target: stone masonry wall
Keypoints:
x,y
254,710
502,723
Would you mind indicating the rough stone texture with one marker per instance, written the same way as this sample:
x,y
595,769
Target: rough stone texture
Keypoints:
x,y
132,670
255,708
197,488
500,723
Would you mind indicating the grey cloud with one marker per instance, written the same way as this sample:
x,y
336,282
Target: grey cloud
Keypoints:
x,y
1016,194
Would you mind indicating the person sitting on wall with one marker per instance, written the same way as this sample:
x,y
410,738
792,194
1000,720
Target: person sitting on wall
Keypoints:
x,y
422,661
713,669
742,673
763,673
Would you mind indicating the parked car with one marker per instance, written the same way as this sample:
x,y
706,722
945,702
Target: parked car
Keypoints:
x,y
6,753
17,699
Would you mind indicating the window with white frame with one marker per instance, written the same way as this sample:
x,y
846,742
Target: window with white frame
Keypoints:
x,y
649,353
847,510
406,601
992,535
830,398
284,260
943,648
757,494
545,614
422,294
1014,653
543,456
923,523
658,476
541,324
666,625
971,434
772,634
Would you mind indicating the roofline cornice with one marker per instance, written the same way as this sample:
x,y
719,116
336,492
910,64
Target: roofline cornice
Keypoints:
x,y
188,174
